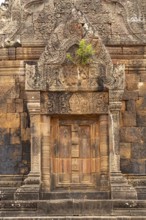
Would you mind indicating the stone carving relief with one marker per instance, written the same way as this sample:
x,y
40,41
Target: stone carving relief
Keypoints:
x,y
117,79
74,103
38,19
130,17
34,80
53,72
71,77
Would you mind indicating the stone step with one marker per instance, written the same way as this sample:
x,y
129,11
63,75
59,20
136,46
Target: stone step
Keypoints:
x,y
75,218
73,207
75,195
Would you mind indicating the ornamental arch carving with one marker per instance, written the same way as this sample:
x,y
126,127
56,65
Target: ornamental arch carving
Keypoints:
x,y
76,104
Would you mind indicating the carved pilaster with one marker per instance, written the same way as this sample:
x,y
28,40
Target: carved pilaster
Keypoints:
x,y
104,152
120,189
114,109
45,127
30,189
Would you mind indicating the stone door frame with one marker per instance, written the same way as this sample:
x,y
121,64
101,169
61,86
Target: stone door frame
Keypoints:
x,y
39,177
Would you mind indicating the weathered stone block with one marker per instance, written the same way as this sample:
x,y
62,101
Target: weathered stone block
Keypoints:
x,y
133,166
129,119
131,134
123,108
132,81
138,151
142,88
126,166
143,135
141,118
130,95
11,107
143,77
10,120
131,106
4,136
10,157
12,53
125,150
19,105
3,53
15,136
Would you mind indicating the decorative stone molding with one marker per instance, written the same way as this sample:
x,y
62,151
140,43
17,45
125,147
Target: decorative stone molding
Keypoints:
x,y
74,103
120,188
32,183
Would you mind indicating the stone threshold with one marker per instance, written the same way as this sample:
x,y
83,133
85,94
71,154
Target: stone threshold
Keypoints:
x,y
76,217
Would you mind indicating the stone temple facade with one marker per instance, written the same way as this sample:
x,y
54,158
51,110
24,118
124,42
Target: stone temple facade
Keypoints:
x,y
72,137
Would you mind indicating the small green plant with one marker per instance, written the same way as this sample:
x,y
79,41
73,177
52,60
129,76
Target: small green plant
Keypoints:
x,y
83,54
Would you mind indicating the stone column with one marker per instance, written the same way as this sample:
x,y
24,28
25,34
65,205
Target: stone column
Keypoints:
x,y
114,114
120,188
45,129
104,152
31,188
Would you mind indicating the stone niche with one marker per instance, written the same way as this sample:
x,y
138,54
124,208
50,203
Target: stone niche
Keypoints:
x,y
74,118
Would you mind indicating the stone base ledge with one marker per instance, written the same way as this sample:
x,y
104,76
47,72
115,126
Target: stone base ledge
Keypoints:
x,y
73,207
76,217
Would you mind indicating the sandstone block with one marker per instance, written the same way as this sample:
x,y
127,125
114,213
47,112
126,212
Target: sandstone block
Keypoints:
x,y
141,104
129,119
131,106
19,105
3,53
130,95
131,134
132,81
10,120
142,88
123,108
133,166
125,150
141,118
11,107
15,136
138,151
4,136
126,165
12,53
143,134
143,77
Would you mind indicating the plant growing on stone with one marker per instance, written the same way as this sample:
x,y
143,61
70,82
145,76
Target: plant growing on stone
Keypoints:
x,y
83,55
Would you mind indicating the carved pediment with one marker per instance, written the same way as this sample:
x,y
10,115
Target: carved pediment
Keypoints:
x,y
53,73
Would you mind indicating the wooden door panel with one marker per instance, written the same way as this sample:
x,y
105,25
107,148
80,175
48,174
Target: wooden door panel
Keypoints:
x,y
64,141
84,141
75,145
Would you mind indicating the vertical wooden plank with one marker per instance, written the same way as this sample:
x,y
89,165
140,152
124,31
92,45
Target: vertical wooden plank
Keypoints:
x,y
64,147
84,135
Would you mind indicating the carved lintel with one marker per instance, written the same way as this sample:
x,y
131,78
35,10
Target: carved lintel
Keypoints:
x,y
74,103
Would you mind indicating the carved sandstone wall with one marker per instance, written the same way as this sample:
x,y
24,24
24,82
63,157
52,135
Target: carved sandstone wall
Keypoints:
x,y
27,27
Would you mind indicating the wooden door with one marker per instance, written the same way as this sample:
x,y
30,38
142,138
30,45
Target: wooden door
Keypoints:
x,y
75,152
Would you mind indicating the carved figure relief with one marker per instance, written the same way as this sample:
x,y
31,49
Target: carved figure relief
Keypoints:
x,y
74,103
34,80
